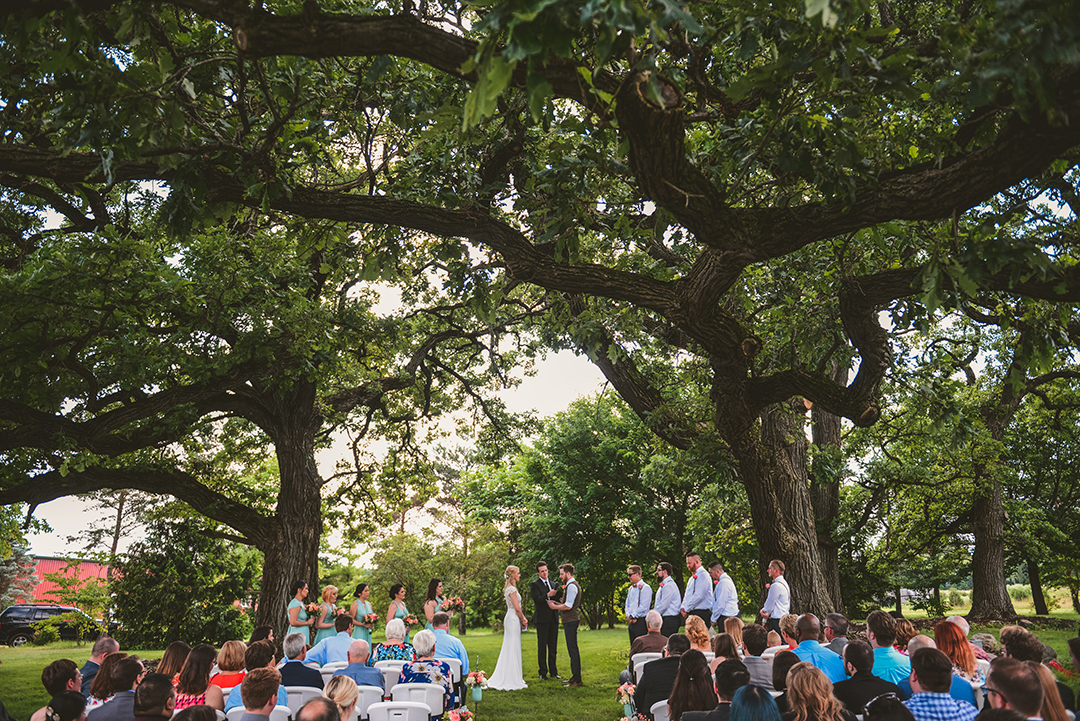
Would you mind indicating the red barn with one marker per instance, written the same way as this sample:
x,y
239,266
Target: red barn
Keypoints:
x,y
45,564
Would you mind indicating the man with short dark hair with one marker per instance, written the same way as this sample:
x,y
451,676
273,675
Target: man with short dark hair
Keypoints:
x,y
260,693
755,640
931,678
103,646
1014,684
571,619
778,602
358,670
668,599
725,598
446,645
259,654
546,622
863,685
836,630
658,677
889,663
638,601
155,698
125,675
319,709
730,676
59,676
1021,644
809,629
293,671
334,649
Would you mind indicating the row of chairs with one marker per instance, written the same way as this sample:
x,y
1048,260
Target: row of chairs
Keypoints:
x,y
391,671
379,711
430,695
640,659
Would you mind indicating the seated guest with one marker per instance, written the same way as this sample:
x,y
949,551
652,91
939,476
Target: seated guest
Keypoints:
x,y
730,676
59,676
343,692
1021,644
259,690
194,687
724,649
931,678
258,655
262,633
698,633
124,676
733,626
810,696
950,640
101,690
836,630
658,676
447,646
652,641
66,706
196,713
1015,685
961,623
693,688
318,709
155,698
333,649
889,663
293,671
753,703
905,631
863,685
782,663
773,640
753,646
887,708
358,670
960,690
230,661
102,647
396,648
427,669
808,629
1052,708
788,634
173,660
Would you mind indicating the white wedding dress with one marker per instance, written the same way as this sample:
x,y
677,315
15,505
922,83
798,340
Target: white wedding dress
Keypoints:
x,y
508,675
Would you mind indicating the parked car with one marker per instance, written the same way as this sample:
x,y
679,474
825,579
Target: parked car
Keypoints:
x,y
15,628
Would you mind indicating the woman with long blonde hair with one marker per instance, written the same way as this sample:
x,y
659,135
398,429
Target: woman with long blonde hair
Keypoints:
x,y
698,633
810,696
508,675
343,692
733,627
1052,708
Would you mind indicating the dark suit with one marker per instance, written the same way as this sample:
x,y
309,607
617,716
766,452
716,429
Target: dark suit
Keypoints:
x,y
546,622
88,671
120,708
656,682
295,673
862,687
720,713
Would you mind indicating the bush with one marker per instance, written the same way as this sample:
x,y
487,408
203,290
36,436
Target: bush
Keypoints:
x,y
955,599
45,632
1019,592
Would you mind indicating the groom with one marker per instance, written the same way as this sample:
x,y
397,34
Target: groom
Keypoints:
x,y
568,609
546,622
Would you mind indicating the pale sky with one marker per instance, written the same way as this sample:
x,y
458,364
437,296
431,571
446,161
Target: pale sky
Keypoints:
x,y
560,379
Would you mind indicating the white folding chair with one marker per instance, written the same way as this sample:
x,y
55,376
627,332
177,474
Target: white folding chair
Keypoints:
x,y
709,655
391,671
368,696
638,668
771,651
334,665
300,695
281,713
235,714
433,694
399,711
659,710
976,687
457,678
983,665
645,656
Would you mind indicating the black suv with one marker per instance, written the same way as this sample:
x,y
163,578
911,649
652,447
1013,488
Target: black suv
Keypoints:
x,y
15,622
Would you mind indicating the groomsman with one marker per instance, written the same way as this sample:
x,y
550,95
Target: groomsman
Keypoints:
x,y
725,598
546,622
778,602
698,599
667,600
638,600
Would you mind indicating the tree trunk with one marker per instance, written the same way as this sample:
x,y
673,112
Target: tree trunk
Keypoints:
x,y
825,490
899,600
1037,597
771,458
989,596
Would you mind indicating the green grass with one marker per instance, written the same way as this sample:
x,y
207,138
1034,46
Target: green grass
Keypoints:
x,y
20,674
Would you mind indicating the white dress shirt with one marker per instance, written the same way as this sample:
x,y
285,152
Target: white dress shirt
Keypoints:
x,y
698,592
638,600
725,598
667,598
571,593
779,601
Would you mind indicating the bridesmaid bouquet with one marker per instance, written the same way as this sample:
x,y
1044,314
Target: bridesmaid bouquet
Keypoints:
x,y
411,621
476,678
453,603
312,608
371,618
625,693
340,611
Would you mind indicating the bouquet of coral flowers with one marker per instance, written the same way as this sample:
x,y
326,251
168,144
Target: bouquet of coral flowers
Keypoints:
x,y
371,618
340,611
411,621
454,603
625,693
460,715
476,678
312,608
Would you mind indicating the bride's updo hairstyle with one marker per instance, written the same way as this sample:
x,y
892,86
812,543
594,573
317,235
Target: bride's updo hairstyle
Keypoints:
x,y
510,571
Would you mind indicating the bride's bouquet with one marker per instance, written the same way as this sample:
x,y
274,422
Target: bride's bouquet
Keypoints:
x,y
411,621
453,604
625,693
476,678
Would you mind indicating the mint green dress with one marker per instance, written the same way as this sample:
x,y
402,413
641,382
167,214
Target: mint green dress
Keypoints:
x,y
438,607
301,616
363,608
325,632
402,612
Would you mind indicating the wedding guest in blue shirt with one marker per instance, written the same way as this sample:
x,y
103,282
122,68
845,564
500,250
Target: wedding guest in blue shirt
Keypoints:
x,y
447,646
336,648
809,629
358,670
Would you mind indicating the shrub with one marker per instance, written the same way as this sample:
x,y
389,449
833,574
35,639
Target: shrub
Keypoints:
x,y
1019,592
955,599
45,632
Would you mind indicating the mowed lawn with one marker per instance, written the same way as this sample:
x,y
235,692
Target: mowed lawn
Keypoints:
x,y
603,655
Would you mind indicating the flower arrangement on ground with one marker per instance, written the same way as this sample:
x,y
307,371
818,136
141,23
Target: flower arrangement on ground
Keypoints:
x,y
625,693
476,678
453,603
460,715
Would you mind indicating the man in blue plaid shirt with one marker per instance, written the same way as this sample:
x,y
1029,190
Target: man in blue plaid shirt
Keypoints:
x,y
931,678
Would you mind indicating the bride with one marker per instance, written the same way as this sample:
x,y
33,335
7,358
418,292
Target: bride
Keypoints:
x,y
508,675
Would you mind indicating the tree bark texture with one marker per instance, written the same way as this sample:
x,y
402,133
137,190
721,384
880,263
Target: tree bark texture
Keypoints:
x,y
1037,596
989,596
825,490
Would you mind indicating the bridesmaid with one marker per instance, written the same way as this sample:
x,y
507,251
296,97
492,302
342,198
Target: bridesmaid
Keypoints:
x,y
397,606
434,601
360,608
324,626
298,618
